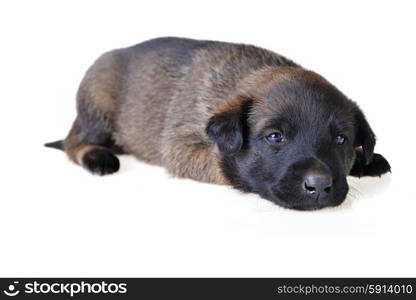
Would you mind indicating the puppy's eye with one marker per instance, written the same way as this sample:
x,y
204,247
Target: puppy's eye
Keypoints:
x,y
275,138
340,139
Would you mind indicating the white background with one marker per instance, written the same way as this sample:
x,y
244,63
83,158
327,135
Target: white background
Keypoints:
x,y
58,220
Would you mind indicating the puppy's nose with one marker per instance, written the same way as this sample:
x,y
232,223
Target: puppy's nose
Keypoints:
x,y
317,184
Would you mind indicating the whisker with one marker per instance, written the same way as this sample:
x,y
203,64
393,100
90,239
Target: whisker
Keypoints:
x,y
352,195
354,192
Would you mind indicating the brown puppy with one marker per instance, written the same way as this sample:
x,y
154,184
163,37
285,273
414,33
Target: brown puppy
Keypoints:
x,y
223,113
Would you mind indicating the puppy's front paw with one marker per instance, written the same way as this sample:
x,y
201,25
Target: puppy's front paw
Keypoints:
x,y
101,162
377,167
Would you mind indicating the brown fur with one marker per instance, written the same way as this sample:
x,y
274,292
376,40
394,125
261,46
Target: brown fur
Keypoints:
x,y
223,113
135,100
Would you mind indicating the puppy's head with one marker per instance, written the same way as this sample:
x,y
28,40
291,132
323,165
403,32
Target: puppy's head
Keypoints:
x,y
293,140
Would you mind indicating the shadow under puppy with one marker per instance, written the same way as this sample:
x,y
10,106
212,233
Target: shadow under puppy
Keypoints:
x,y
223,113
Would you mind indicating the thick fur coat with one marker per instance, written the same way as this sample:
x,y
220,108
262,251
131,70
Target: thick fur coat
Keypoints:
x,y
223,113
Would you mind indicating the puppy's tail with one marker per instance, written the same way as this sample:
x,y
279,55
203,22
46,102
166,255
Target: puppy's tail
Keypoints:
x,y
57,145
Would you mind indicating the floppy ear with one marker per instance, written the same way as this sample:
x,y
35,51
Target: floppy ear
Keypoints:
x,y
364,136
228,128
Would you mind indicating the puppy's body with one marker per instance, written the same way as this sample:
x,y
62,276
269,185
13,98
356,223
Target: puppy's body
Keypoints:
x,y
194,108
154,101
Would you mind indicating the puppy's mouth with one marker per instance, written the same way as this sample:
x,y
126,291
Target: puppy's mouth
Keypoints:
x,y
281,199
297,202
308,207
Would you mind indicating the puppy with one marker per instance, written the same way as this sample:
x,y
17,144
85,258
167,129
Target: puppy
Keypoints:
x,y
223,113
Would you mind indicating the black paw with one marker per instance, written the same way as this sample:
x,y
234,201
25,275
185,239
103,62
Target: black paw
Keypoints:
x,y
377,167
101,162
